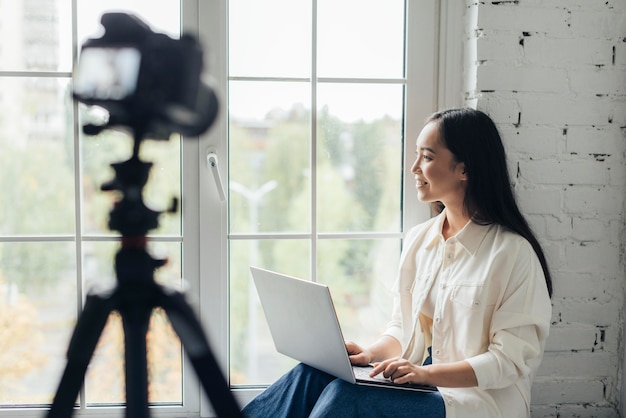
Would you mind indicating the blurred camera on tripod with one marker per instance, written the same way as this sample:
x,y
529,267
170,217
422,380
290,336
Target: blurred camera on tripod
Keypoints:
x,y
145,80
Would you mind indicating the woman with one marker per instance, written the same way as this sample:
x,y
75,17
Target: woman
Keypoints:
x,y
472,299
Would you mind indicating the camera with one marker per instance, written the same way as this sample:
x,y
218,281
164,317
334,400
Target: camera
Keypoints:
x,y
145,80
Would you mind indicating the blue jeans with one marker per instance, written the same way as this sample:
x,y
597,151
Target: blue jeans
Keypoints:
x,y
308,392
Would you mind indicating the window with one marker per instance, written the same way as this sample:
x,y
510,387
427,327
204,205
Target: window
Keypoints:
x,y
324,100
315,150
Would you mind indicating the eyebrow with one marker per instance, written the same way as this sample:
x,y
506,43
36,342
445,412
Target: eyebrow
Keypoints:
x,y
428,149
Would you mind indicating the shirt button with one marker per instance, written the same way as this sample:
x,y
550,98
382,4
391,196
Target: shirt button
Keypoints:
x,y
438,319
437,352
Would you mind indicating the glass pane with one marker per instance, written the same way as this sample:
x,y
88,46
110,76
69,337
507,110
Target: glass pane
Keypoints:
x,y
164,183
37,288
105,377
254,360
163,19
99,259
36,162
269,147
359,166
113,146
360,274
360,38
36,35
267,43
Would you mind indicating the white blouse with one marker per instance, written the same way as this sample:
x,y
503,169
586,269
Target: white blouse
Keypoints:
x,y
492,309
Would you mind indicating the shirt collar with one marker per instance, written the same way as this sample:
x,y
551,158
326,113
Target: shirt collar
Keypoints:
x,y
469,237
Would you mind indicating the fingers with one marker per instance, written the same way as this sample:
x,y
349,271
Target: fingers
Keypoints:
x,y
353,348
398,370
382,367
358,355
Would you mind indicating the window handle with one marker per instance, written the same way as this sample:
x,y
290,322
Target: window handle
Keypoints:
x,y
213,163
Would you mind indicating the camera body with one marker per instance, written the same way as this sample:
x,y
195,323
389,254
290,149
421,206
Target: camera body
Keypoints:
x,y
145,80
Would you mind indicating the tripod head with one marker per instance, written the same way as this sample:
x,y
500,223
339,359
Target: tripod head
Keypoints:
x,y
151,84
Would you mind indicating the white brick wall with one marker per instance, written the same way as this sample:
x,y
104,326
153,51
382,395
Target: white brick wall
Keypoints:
x,y
552,73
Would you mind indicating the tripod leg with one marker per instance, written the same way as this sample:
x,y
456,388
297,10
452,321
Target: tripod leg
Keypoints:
x,y
135,321
82,345
196,346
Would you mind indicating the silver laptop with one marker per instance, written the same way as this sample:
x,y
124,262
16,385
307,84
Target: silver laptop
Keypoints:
x,y
304,326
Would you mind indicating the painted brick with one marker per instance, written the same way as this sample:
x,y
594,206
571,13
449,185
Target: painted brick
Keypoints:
x,y
524,19
592,140
596,23
599,257
598,81
548,391
618,111
620,53
562,110
573,338
594,229
572,364
566,53
604,201
558,227
564,172
585,410
585,285
521,78
539,201
503,110
590,312
582,5
540,141
499,46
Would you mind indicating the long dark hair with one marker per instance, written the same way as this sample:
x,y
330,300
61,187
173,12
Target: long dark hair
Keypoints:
x,y
474,140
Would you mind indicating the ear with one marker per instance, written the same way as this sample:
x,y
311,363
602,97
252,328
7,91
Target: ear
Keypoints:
x,y
462,172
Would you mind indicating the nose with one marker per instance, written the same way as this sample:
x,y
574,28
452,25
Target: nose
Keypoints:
x,y
415,168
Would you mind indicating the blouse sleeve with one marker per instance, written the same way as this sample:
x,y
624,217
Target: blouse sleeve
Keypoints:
x,y
519,327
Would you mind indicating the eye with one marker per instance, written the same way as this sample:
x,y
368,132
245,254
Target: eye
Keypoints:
x,y
427,158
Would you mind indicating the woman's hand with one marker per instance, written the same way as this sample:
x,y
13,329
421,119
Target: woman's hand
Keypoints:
x,y
458,374
401,370
358,355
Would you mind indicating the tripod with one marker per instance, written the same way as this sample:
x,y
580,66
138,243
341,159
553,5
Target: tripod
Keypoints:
x,y
135,296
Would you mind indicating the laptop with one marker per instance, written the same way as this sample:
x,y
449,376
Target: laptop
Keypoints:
x,y
304,326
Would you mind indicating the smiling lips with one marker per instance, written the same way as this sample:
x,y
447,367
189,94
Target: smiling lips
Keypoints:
x,y
420,183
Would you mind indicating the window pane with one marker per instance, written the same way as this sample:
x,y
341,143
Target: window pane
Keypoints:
x,y
360,38
164,183
37,288
267,43
253,357
360,274
105,378
36,35
36,162
163,19
359,167
269,147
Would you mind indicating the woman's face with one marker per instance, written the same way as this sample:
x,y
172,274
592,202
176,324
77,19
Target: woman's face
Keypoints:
x,y
438,176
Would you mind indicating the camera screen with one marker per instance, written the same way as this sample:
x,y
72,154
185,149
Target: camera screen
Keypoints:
x,y
107,73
